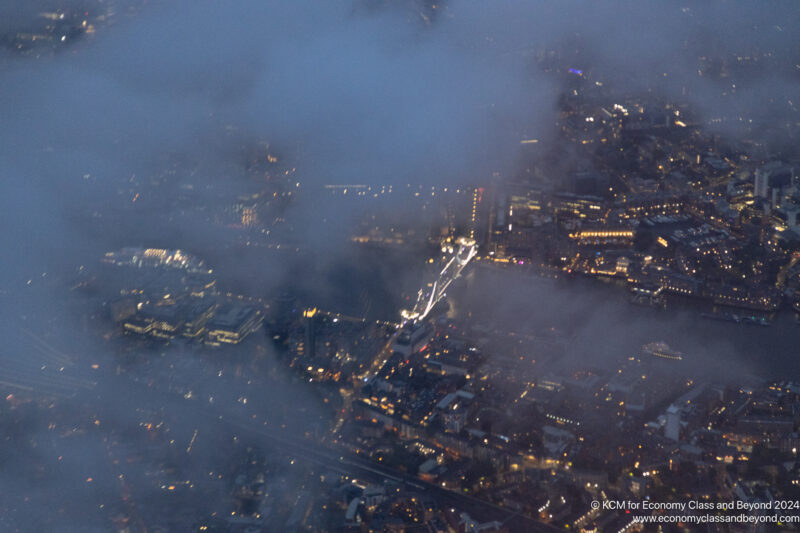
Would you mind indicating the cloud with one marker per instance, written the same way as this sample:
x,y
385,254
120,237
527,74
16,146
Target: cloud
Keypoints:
x,y
165,104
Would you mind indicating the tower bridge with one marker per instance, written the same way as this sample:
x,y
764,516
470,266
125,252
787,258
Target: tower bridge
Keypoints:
x,y
412,331
462,252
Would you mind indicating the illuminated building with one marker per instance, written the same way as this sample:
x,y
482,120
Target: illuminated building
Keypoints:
x,y
138,325
453,410
603,236
645,205
566,205
197,318
521,214
155,257
623,264
311,332
412,338
249,217
745,297
168,321
232,323
158,321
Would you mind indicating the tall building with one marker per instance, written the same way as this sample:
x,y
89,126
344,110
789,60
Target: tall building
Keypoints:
x,y
283,312
310,320
770,180
476,198
672,429
760,183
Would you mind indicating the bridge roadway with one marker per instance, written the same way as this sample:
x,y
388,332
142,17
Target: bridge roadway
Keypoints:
x,y
427,299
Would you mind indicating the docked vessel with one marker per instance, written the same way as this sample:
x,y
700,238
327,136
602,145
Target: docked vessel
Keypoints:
x,y
662,350
751,320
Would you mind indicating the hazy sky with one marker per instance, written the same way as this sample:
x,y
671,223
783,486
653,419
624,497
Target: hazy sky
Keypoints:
x,y
366,92
384,92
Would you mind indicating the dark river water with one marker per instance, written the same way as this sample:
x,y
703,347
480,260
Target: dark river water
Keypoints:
x,y
598,324
595,319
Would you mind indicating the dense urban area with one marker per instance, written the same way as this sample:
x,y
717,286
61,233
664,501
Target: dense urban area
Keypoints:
x,y
613,317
